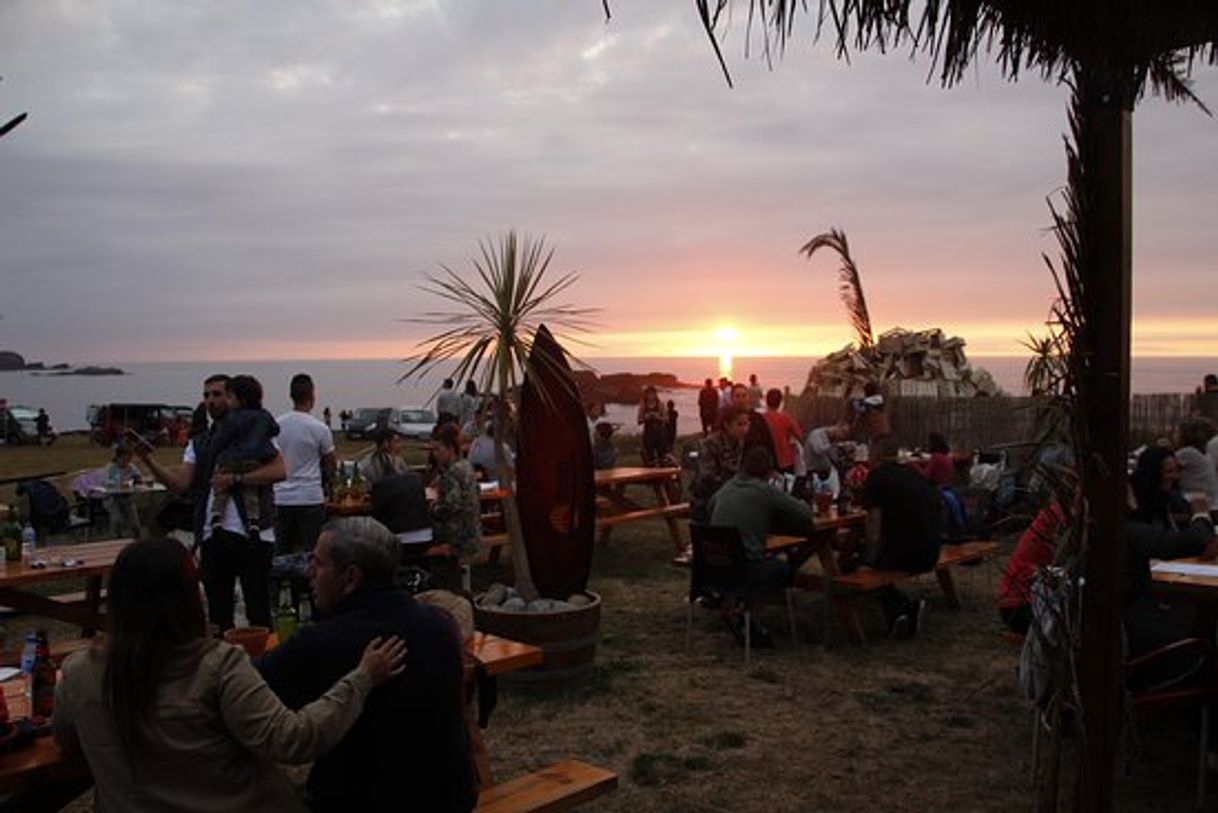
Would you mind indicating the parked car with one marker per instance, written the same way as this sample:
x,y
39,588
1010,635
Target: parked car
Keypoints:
x,y
365,419
415,422
20,425
156,423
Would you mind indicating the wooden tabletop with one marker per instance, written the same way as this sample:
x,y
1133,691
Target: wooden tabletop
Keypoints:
x,y
822,522
634,474
96,558
498,655
1198,585
103,490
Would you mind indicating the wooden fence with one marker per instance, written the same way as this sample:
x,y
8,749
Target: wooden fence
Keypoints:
x,y
979,423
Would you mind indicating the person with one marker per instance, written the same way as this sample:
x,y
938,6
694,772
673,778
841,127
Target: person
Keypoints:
x,y
308,452
938,467
327,417
654,420
457,512
198,420
241,444
386,459
1155,488
604,452
820,447
1035,549
756,393
749,503
902,532
481,453
470,402
1197,474
42,424
228,553
759,430
708,406
411,747
1209,384
719,460
448,403
725,393
169,718
784,431
870,417
120,474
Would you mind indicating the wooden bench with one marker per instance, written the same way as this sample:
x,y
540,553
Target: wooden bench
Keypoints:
x,y
562,786
846,587
679,509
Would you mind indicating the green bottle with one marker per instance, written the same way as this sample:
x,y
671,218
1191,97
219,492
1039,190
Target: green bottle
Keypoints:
x,y
10,533
285,615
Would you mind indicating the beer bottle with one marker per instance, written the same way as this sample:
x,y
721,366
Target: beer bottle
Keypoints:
x,y
10,533
41,681
285,615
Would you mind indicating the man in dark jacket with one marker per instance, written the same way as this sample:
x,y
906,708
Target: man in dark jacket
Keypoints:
x,y
410,749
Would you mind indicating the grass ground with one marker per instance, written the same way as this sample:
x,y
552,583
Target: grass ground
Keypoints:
x,y
931,724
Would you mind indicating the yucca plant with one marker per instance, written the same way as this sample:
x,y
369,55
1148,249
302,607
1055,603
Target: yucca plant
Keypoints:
x,y
850,284
488,336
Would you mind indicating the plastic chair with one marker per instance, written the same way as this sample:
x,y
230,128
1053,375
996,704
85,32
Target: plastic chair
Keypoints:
x,y
1196,691
720,569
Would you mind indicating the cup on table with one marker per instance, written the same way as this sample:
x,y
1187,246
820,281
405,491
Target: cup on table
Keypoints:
x,y
824,501
251,639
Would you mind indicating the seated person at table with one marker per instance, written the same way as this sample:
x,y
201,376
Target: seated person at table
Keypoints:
x,y
719,460
170,719
411,748
122,473
903,531
750,504
604,451
937,468
759,430
386,459
1150,624
1036,548
482,453
1197,473
1155,487
820,449
241,443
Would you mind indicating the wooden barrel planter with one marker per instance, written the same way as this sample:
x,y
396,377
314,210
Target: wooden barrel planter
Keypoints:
x,y
567,637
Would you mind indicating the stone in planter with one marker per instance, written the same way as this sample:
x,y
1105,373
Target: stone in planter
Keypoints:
x,y
567,637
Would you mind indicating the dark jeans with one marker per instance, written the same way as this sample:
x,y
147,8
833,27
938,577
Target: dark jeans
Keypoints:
x,y
297,527
765,576
226,557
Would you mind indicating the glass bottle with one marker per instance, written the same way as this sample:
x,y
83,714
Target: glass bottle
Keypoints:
x,y
285,615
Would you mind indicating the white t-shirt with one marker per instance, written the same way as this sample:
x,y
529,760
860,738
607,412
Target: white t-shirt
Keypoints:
x,y
232,518
303,440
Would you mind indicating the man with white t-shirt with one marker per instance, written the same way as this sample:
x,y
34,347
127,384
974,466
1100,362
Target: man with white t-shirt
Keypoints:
x,y
227,552
308,451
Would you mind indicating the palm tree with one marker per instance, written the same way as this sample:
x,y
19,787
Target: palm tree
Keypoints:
x,y
488,338
850,284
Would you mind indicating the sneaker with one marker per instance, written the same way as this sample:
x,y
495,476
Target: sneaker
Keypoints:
x,y
899,629
917,615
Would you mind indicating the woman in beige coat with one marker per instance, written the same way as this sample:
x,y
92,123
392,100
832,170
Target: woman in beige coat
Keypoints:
x,y
170,719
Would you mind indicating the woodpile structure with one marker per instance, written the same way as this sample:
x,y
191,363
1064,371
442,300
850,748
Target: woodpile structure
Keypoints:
x,y
913,364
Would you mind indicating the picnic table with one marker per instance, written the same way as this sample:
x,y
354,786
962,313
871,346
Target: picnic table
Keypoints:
x,y
613,507
93,562
1193,577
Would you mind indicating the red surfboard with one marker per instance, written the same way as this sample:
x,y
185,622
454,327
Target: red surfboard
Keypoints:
x,y
554,483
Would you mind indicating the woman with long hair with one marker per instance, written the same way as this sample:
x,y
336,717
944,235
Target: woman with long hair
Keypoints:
x,y
654,420
171,719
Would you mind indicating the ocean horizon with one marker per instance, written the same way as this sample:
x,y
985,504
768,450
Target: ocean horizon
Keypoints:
x,y
351,383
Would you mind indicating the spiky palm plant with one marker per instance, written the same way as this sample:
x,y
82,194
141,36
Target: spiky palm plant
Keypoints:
x,y
850,284
488,336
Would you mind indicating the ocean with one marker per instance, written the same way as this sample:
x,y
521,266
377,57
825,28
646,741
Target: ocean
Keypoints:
x,y
354,383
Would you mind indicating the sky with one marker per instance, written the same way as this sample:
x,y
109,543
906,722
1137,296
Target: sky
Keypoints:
x,y
275,179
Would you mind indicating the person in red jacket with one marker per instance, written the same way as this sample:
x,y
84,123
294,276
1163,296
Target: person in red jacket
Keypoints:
x,y
1036,548
783,429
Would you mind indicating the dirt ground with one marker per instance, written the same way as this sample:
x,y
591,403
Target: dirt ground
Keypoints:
x,y
931,724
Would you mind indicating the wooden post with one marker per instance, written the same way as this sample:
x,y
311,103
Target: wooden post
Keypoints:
x,y
1106,272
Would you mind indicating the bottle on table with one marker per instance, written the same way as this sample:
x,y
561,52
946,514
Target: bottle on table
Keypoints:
x,y
10,533
41,682
29,540
29,651
285,615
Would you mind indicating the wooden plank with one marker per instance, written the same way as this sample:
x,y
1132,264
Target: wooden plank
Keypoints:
x,y
655,512
557,788
499,655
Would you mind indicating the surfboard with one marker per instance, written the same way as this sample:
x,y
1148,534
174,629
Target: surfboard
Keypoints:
x,y
555,488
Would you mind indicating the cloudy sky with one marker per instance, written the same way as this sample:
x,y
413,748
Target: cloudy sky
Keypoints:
x,y
273,179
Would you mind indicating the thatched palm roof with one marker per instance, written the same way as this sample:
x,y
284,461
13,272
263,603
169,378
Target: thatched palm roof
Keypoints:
x,y
1151,42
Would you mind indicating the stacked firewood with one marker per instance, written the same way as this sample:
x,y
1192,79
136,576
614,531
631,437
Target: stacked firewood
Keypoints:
x,y
908,363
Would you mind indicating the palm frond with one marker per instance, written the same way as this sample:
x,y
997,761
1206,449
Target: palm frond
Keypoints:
x,y
850,284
